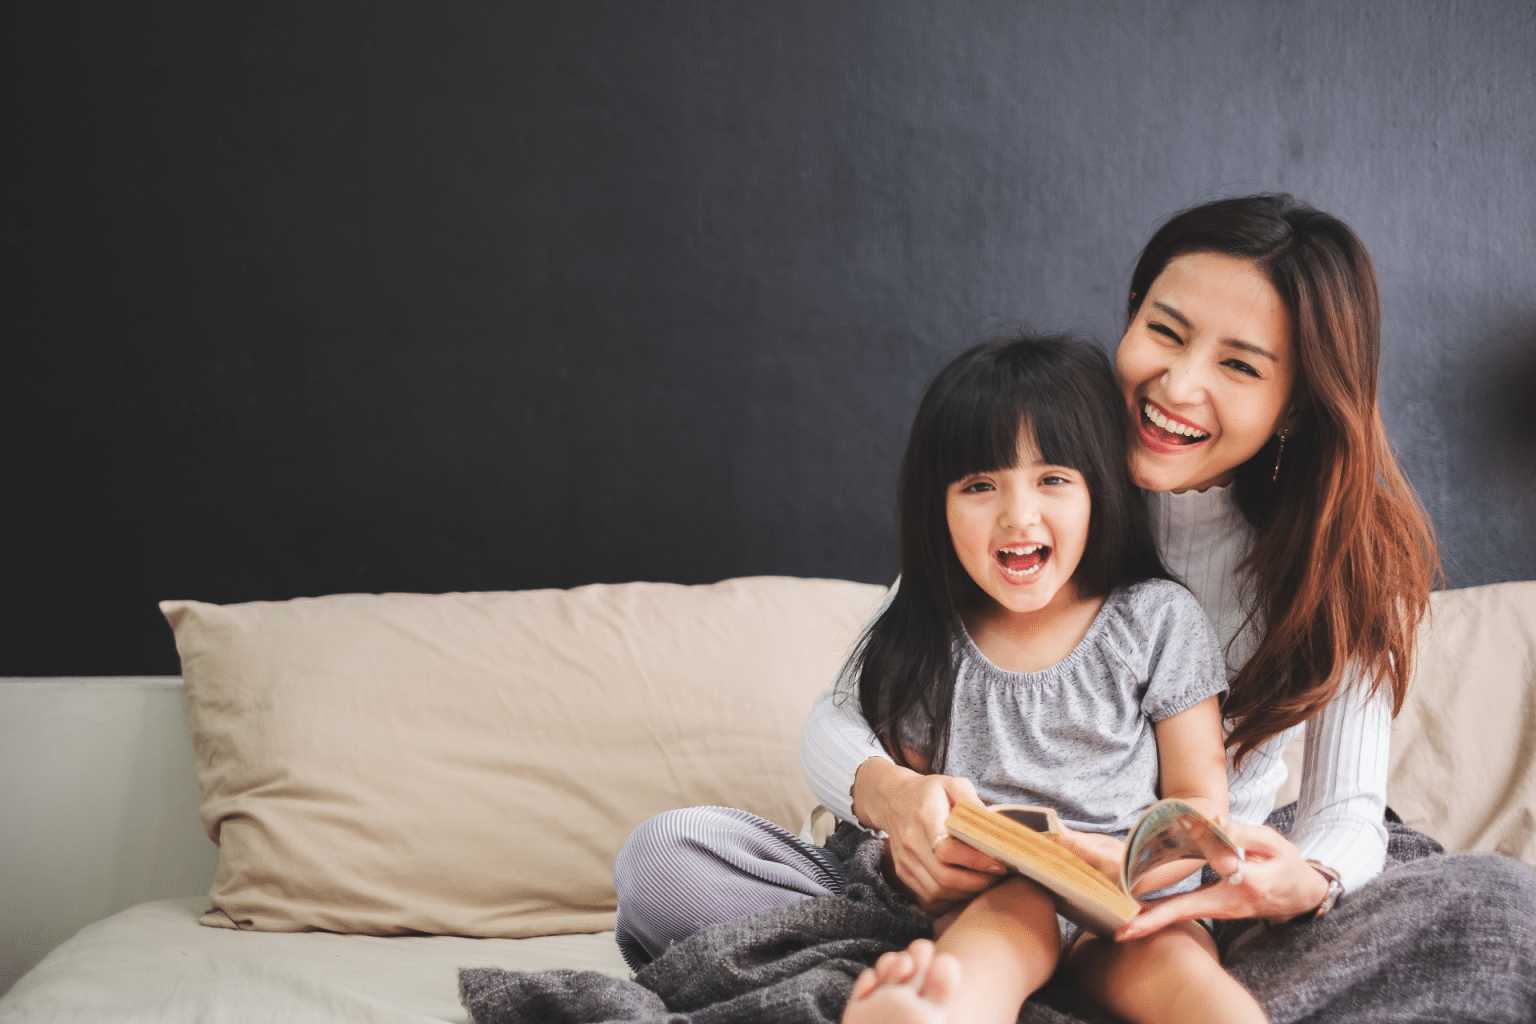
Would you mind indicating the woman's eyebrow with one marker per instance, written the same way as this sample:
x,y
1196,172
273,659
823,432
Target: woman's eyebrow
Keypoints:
x,y
1248,346
1180,317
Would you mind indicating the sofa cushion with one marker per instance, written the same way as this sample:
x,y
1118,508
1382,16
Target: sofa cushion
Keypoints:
x,y
469,764
1462,747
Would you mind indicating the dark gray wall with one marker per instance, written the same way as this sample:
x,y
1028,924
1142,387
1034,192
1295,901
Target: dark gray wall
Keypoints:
x,y
334,297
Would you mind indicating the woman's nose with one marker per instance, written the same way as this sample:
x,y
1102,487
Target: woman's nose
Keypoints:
x,y
1184,380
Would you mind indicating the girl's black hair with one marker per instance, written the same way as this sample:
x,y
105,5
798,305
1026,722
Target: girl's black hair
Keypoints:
x,y
1059,391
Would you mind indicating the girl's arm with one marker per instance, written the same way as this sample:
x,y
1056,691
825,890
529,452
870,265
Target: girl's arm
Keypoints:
x,y
1192,762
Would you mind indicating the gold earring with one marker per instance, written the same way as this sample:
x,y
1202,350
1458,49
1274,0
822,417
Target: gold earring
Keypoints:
x,y
1279,452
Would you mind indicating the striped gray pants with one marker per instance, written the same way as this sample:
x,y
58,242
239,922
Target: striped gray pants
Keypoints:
x,y
683,871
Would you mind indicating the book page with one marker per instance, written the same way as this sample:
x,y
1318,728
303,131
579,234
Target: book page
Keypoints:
x,y
1170,831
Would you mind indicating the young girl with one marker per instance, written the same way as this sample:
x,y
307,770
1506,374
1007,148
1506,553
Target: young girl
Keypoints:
x,y
1037,647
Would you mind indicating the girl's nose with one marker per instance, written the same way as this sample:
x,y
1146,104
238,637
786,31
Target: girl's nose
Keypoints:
x,y
1022,511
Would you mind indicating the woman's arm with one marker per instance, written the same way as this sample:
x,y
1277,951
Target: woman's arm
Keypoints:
x,y
1339,816
834,744
1338,824
848,770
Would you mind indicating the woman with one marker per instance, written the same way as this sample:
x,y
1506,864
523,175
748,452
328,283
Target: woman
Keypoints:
x,y
1250,364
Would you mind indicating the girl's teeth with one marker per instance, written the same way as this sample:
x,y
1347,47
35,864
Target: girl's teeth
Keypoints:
x,y
1172,426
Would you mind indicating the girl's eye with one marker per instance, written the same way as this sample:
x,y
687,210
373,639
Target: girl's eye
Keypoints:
x,y
1241,367
1165,331
976,487
1056,480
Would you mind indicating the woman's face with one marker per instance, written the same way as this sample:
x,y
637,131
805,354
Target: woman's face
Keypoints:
x,y
1208,368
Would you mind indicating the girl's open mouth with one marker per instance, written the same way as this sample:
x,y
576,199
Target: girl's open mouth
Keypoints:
x,y
1168,431
1022,561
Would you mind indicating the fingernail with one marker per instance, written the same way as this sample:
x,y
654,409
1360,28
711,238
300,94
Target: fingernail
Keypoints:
x,y
1242,855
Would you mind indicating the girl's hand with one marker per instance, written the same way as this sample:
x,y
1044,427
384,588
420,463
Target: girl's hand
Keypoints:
x,y
1275,884
910,809
1103,853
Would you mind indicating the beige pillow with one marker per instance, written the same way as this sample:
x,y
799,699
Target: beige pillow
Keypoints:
x,y
470,763
1463,746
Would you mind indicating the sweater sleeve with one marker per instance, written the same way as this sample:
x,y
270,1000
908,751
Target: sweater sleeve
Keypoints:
x,y
836,739
1344,784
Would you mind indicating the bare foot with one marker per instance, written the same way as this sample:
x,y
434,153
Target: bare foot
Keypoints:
x,y
912,986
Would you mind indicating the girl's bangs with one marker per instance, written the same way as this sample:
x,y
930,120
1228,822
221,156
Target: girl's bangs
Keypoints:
x,y
985,434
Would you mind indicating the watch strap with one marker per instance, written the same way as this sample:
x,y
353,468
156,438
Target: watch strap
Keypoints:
x,y
1335,890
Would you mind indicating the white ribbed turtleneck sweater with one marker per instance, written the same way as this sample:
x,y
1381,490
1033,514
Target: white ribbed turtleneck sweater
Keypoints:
x,y
1202,537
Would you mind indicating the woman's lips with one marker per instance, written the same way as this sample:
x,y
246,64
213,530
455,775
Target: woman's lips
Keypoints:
x,y
1164,442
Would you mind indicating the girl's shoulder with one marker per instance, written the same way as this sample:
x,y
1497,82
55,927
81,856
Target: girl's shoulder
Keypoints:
x,y
1152,608
1151,594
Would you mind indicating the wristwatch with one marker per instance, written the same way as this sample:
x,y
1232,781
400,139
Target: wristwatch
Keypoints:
x,y
1335,890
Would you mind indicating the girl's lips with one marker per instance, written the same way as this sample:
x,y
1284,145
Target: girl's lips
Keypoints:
x,y
1020,568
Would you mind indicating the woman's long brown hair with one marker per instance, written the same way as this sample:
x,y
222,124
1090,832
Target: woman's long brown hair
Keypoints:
x,y
1345,557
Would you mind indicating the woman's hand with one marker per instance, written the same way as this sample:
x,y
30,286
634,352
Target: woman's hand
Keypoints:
x,y
1274,884
910,809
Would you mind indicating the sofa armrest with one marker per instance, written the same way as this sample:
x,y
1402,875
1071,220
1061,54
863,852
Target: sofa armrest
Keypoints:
x,y
101,806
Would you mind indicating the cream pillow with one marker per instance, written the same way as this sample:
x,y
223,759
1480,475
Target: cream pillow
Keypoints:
x,y
1463,746
469,764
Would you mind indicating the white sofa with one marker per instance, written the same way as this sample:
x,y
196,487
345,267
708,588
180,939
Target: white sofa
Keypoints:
x,y
405,784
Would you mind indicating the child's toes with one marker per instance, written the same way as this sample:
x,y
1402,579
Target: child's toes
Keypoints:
x,y
942,980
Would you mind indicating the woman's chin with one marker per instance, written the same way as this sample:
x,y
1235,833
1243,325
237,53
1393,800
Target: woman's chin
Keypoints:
x,y
1152,472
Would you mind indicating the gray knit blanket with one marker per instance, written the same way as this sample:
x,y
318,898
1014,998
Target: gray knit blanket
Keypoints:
x,y
792,965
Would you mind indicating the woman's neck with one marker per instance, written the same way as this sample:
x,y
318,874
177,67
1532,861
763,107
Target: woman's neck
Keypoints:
x,y
1035,641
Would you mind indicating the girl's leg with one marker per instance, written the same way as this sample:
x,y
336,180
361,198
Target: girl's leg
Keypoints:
x,y
1004,945
683,871
1170,976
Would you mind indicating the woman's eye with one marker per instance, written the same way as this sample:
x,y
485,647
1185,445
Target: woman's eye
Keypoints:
x,y
1241,367
1165,331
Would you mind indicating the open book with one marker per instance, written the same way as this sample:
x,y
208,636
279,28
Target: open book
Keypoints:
x,y
1027,840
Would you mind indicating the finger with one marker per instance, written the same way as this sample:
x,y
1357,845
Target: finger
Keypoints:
x,y
953,853
864,984
1260,840
1220,901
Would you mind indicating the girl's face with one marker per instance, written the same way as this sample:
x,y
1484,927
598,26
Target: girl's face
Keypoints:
x,y
1020,532
1208,368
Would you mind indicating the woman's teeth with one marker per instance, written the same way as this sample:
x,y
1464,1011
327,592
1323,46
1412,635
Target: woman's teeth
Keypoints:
x,y
1023,559
1172,426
